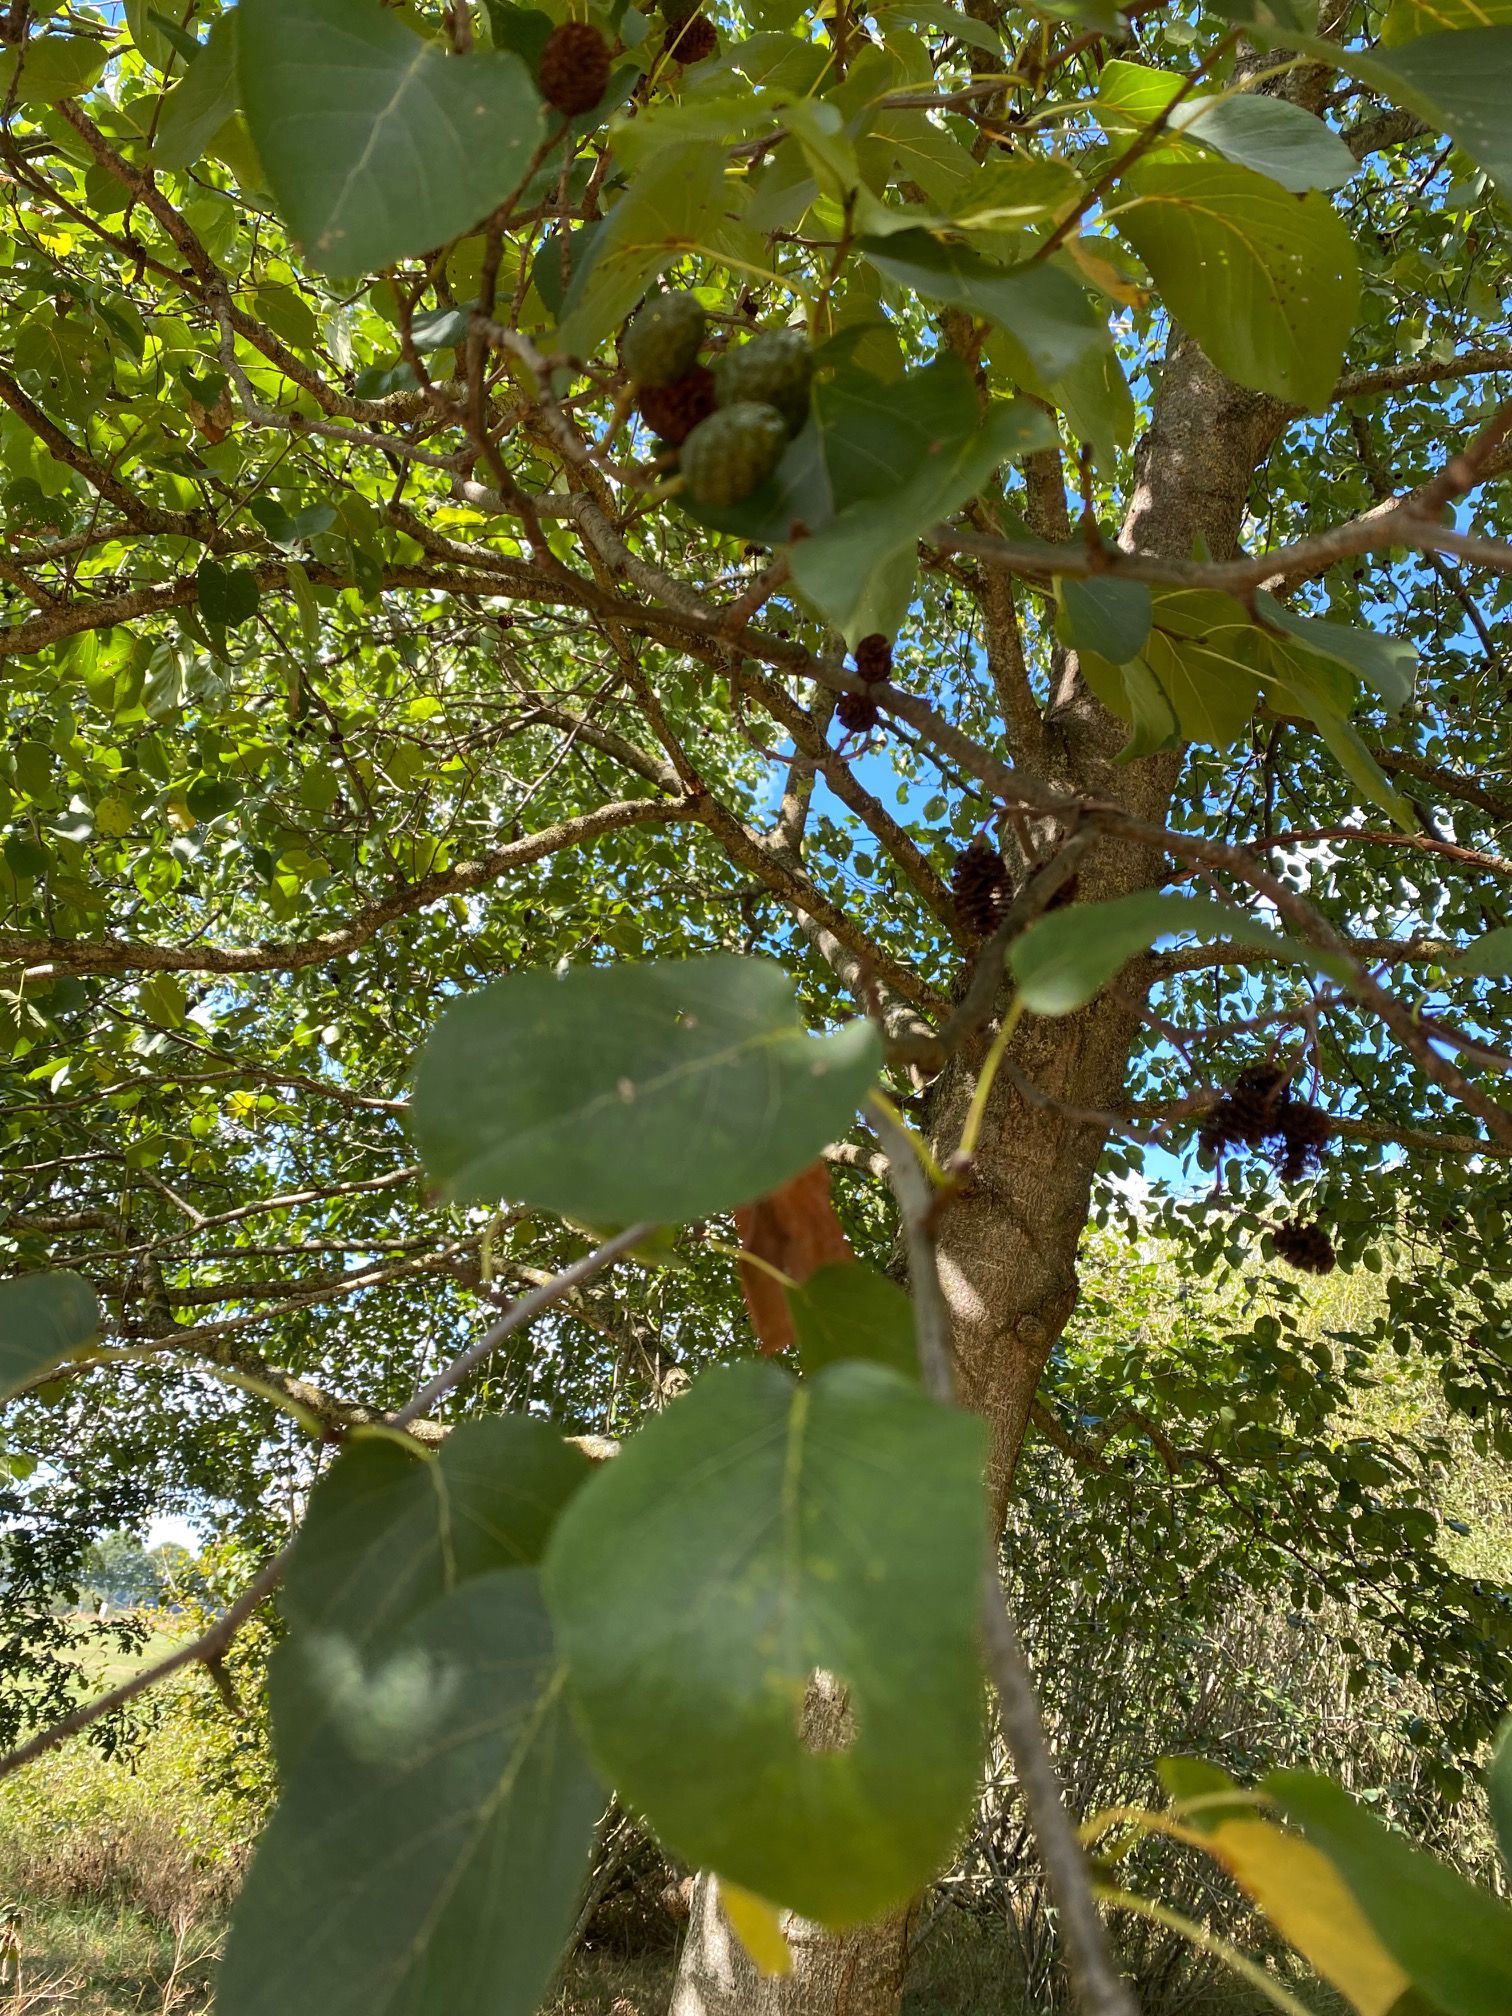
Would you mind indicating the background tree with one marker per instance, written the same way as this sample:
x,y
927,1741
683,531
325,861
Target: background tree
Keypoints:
x,y
1136,543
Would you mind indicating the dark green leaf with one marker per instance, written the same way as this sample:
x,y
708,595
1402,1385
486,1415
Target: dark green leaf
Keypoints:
x,y
858,571
440,329
1065,959
227,595
1109,617
1453,1940
390,1529
757,1531
849,1310
428,1852
321,80
666,1091
524,30
42,1318
198,107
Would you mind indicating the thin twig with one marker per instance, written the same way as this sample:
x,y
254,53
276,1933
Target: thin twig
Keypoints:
x,y
210,1647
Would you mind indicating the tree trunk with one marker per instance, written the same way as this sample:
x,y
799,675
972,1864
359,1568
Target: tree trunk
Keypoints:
x,y
1007,1247
834,1974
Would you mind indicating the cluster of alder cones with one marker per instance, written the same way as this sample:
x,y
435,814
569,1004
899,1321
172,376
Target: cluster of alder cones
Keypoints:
x,y
729,422
1263,1111
573,71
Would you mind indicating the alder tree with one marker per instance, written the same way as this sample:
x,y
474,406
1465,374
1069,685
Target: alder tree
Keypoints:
x,y
681,688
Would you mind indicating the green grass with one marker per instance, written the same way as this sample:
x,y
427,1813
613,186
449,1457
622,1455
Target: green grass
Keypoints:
x,y
103,1958
102,1666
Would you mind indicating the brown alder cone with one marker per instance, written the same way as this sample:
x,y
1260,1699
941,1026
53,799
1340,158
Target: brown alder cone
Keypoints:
x,y
574,71
795,1229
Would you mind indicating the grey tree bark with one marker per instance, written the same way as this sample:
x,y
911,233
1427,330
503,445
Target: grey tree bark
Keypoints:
x,y
1007,1247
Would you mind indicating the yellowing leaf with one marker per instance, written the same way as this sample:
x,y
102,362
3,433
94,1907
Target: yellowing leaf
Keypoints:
x,y
758,1927
1305,1898
1103,274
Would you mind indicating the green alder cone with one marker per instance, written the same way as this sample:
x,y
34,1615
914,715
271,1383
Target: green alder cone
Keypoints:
x,y
663,340
732,453
775,369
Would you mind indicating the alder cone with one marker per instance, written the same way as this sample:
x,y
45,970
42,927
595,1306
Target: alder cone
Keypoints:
x,y
1262,1108
1303,1132
574,70
673,411
857,713
1305,1247
775,367
1250,1111
732,453
696,39
981,886
874,659
665,335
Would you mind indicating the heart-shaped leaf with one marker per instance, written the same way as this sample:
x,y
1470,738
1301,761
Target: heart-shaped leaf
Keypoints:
x,y
378,144
761,1531
1267,282
666,1091
390,1529
429,1848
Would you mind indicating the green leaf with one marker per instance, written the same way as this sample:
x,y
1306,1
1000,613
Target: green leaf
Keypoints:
x,y
952,21
43,1317
1040,304
1272,136
758,1531
673,207
1490,957
377,144
227,595
1103,615
1152,718
858,571
196,109
1301,678
389,1529
849,1310
52,67
1199,663
1267,282
1458,84
1388,664
666,1090
1499,1782
1453,1940
428,1853
1062,961
1407,19
1456,81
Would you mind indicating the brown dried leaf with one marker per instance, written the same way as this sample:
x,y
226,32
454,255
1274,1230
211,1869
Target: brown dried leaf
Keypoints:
x,y
795,1230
